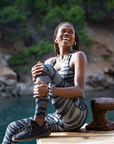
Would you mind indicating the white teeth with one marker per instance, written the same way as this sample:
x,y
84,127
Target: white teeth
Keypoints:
x,y
65,39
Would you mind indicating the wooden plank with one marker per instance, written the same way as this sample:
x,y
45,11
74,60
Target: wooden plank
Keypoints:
x,y
83,136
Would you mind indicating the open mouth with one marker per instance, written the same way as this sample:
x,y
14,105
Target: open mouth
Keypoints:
x,y
66,39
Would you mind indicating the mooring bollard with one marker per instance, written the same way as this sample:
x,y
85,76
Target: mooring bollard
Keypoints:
x,y
99,107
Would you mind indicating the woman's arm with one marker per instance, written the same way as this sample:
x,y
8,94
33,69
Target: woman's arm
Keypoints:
x,y
38,68
80,63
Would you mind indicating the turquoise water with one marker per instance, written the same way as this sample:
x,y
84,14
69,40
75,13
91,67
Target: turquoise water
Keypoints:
x,y
15,108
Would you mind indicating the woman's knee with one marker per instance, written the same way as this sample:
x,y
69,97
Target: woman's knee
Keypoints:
x,y
46,74
47,68
50,71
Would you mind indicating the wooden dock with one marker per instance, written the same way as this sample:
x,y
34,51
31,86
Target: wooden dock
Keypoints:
x,y
83,136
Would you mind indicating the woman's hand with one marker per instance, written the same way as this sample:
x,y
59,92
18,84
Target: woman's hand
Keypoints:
x,y
40,90
37,70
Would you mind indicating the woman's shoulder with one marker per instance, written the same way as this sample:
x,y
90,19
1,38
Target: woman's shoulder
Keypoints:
x,y
79,55
50,60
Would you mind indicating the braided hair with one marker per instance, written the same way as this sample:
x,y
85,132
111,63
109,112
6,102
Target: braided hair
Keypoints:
x,y
56,47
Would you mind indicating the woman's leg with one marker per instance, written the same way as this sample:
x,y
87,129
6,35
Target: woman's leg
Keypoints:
x,y
72,113
51,122
14,128
49,75
41,107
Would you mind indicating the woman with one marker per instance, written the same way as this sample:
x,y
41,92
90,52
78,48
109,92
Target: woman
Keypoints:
x,y
61,79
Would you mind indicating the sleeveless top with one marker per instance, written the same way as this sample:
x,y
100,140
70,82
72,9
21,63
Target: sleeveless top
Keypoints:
x,y
68,75
66,72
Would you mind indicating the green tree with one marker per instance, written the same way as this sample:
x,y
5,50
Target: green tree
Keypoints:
x,y
21,61
98,9
13,18
15,14
71,12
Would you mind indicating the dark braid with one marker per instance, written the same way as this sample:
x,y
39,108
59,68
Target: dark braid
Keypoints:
x,y
56,47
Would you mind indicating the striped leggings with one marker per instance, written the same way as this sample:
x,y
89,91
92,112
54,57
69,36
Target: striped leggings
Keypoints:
x,y
70,115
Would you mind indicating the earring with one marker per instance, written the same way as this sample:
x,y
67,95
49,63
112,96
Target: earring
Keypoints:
x,y
75,43
55,41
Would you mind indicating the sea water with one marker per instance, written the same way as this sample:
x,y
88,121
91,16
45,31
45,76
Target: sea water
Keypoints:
x,y
15,108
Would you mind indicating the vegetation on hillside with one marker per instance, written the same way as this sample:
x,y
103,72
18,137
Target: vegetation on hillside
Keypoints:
x,y
16,17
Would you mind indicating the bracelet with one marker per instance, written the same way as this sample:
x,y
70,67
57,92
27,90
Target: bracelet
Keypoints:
x,y
50,94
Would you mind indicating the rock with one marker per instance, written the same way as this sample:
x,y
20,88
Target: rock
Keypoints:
x,y
89,88
20,89
4,62
112,83
12,82
8,81
9,87
6,72
8,91
106,69
4,58
99,76
11,47
110,72
4,95
97,81
24,89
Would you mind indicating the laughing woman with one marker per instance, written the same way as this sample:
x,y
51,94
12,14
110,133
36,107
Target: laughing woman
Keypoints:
x,y
61,79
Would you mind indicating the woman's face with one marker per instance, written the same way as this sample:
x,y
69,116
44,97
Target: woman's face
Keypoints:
x,y
65,35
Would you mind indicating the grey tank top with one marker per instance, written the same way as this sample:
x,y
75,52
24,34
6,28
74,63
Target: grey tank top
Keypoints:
x,y
66,72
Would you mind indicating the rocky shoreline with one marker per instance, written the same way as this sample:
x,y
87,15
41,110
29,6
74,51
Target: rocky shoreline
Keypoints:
x,y
22,89
99,81
9,87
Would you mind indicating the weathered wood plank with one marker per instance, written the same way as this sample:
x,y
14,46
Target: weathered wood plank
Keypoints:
x,y
81,137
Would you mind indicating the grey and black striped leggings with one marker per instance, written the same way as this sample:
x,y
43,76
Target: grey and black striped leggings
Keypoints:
x,y
70,115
